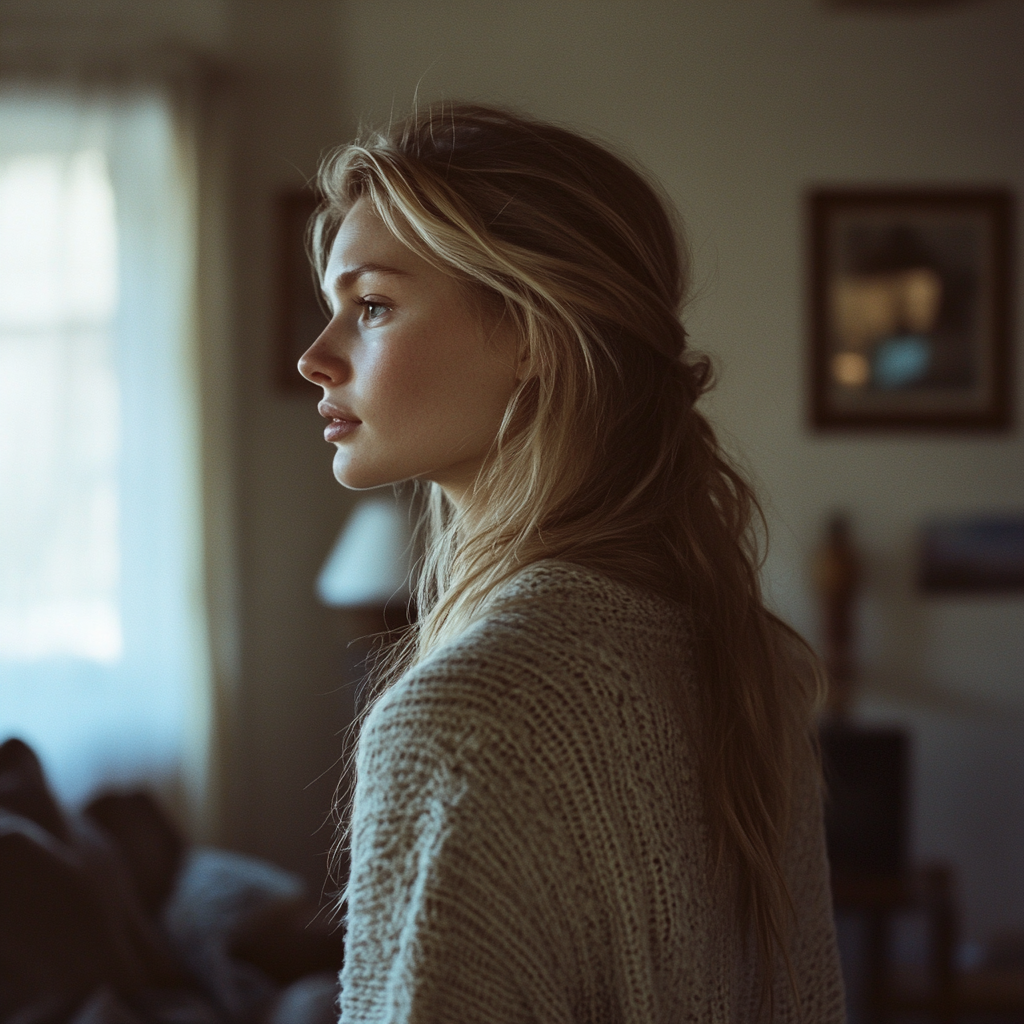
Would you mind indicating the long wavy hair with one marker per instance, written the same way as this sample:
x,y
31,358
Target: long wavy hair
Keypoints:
x,y
603,457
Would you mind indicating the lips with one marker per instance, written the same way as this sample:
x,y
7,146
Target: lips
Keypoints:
x,y
338,429
342,422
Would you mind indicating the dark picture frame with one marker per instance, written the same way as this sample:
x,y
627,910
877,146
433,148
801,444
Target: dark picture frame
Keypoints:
x,y
982,554
910,308
300,311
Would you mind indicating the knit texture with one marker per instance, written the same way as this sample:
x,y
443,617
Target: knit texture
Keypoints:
x,y
527,835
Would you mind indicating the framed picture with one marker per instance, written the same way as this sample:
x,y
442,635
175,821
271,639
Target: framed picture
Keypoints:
x,y
983,554
910,315
300,313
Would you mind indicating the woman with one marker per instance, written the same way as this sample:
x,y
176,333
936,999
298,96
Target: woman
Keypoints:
x,y
590,791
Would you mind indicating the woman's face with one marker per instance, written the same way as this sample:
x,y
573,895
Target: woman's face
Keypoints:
x,y
416,375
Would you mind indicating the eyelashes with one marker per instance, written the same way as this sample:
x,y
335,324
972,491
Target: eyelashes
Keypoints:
x,y
373,310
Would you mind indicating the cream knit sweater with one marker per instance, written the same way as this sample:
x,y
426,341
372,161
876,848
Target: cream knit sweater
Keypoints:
x,y
527,841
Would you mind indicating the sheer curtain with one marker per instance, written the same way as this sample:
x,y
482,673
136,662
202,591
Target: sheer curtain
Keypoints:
x,y
106,663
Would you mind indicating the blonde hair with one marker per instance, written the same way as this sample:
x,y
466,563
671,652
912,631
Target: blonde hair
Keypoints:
x,y
603,458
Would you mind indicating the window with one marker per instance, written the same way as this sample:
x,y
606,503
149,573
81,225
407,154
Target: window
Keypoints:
x,y
59,405
101,627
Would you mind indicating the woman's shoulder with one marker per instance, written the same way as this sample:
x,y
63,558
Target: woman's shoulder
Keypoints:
x,y
554,616
564,603
554,641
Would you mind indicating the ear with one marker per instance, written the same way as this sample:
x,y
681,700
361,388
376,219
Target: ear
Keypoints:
x,y
512,342
523,363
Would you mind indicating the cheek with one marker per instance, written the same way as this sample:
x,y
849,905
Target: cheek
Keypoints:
x,y
403,380
435,384
428,376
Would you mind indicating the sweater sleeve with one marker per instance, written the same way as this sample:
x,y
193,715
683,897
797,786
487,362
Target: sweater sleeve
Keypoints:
x,y
441,922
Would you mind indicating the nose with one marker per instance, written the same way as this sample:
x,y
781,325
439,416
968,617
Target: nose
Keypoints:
x,y
323,363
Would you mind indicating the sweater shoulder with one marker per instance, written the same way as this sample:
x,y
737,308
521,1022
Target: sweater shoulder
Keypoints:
x,y
554,642
554,615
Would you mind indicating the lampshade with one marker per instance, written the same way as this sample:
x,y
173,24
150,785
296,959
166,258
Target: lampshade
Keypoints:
x,y
369,563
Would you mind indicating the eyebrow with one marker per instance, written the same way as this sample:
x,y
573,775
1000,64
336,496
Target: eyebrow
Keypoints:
x,y
346,278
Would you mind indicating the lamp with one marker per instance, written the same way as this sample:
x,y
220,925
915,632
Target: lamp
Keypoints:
x,y
366,578
368,566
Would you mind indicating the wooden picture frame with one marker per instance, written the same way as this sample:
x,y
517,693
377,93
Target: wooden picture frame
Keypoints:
x,y
910,308
300,311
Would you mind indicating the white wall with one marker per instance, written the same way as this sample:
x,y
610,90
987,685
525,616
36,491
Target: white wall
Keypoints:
x,y
738,106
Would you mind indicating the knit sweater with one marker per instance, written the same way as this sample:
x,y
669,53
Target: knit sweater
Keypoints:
x,y
527,836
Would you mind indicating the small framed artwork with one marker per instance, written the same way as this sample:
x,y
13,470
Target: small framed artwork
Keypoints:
x,y
300,313
910,314
983,554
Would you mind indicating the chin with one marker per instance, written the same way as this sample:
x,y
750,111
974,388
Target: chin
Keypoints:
x,y
361,478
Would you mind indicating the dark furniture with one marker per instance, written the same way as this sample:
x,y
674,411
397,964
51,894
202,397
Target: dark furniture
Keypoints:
x,y
867,774
938,991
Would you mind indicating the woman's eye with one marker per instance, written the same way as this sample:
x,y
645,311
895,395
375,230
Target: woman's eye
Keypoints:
x,y
372,310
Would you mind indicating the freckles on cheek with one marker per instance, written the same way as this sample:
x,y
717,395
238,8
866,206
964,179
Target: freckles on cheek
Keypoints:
x,y
401,381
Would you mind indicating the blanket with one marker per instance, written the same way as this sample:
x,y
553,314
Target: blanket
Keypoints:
x,y
108,917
